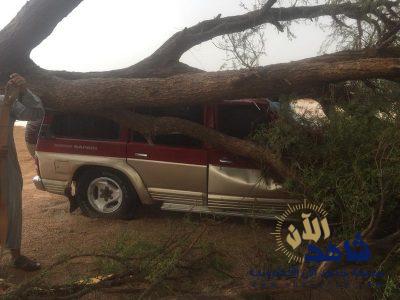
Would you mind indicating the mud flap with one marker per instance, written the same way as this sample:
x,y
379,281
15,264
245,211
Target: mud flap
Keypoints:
x,y
73,201
73,204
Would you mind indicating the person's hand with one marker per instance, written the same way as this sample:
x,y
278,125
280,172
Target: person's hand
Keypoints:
x,y
17,81
16,85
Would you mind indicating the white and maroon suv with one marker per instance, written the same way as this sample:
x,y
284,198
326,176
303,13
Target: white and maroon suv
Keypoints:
x,y
110,170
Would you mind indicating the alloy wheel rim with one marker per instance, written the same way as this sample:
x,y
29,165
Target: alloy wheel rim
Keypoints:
x,y
105,195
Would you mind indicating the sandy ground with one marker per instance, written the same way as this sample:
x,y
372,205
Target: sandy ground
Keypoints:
x,y
50,231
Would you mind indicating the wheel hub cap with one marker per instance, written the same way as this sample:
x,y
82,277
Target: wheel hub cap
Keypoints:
x,y
105,195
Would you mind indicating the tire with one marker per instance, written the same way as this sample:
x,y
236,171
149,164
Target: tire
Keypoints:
x,y
102,193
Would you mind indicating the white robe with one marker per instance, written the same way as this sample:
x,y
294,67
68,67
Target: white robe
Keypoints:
x,y
27,108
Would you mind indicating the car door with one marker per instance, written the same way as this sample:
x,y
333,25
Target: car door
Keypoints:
x,y
172,166
235,183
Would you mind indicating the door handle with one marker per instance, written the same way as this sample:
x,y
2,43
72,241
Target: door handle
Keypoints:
x,y
141,155
225,161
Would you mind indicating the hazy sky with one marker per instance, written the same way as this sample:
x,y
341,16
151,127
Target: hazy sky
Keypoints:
x,y
104,34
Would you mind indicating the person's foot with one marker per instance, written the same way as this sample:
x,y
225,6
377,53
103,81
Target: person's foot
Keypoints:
x,y
26,264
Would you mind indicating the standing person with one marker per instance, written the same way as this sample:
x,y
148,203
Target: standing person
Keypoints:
x,y
28,107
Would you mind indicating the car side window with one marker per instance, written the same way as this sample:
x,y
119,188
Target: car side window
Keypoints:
x,y
240,120
78,126
138,137
176,139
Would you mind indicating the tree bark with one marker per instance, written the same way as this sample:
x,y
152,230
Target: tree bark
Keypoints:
x,y
178,44
151,126
38,18
189,89
149,83
34,23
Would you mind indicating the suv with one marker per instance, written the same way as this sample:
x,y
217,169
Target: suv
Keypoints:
x,y
111,170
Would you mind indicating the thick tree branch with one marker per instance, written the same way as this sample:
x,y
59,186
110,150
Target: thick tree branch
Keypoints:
x,y
150,126
350,55
144,69
164,61
274,80
34,23
178,44
386,242
389,37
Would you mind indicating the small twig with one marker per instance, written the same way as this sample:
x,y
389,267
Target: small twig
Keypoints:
x,y
227,273
27,285
157,282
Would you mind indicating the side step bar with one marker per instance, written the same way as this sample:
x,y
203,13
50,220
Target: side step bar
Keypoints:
x,y
225,212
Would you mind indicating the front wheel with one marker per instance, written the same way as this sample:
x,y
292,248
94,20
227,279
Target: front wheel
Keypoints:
x,y
105,194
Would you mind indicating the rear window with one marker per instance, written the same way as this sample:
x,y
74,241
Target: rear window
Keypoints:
x,y
177,140
86,127
240,120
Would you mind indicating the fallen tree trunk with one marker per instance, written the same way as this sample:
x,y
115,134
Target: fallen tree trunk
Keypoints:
x,y
271,81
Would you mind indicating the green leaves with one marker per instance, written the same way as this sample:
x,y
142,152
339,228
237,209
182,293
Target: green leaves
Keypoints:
x,y
350,161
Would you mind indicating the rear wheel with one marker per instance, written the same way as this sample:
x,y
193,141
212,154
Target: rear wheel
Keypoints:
x,y
106,194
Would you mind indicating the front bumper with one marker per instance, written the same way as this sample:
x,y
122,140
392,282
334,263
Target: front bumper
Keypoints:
x,y
37,181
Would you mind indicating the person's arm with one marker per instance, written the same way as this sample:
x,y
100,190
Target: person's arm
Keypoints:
x,y
29,107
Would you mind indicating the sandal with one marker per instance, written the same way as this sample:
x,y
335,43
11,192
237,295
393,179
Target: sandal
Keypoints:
x,y
26,264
